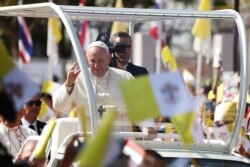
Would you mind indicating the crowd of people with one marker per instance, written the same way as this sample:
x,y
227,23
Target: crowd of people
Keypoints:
x,y
106,70
108,66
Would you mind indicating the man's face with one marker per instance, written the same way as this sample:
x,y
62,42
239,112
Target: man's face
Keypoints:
x,y
98,60
123,57
32,107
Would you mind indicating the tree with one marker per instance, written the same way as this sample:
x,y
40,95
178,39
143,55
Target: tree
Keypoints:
x,y
38,26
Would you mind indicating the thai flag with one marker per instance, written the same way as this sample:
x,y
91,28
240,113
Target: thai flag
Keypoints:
x,y
25,43
155,25
84,35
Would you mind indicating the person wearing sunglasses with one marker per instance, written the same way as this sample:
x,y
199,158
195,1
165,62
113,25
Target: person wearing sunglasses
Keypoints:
x,y
121,59
31,111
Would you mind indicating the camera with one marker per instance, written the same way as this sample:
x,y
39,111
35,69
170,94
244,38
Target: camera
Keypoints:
x,y
116,48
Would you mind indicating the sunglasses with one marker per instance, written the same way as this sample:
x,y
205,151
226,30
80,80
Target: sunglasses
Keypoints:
x,y
37,103
121,44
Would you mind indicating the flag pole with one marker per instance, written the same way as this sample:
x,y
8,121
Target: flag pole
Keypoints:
x,y
158,55
131,33
158,48
50,61
20,64
158,64
198,70
202,30
20,2
50,68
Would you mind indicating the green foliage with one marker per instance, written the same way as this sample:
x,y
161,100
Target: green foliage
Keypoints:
x,y
38,26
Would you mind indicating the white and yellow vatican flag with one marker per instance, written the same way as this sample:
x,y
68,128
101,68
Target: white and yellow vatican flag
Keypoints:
x,y
168,59
16,83
188,124
94,153
164,94
225,111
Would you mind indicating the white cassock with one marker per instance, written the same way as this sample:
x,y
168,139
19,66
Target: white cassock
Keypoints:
x,y
13,138
107,93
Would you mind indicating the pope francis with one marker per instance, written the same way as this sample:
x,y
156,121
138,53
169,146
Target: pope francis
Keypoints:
x,y
105,81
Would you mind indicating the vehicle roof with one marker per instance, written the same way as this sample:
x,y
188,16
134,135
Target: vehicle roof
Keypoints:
x,y
41,10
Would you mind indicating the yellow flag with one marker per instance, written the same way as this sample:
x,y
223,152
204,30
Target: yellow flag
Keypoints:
x,y
211,95
225,111
55,29
141,108
202,27
54,37
84,123
39,151
236,99
219,92
170,128
94,153
168,59
47,87
118,26
6,62
73,113
183,124
244,139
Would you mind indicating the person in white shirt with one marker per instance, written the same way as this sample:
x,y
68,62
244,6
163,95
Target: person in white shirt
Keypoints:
x,y
13,135
105,81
